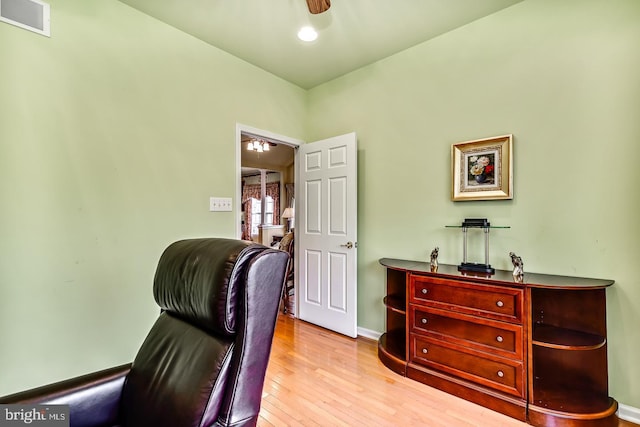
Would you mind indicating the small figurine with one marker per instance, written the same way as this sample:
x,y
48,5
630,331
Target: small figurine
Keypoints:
x,y
518,271
434,260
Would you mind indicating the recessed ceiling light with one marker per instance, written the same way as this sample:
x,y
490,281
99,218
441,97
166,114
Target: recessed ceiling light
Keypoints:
x,y
307,34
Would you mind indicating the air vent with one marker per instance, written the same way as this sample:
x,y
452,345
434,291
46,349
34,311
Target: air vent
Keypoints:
x,y
32,15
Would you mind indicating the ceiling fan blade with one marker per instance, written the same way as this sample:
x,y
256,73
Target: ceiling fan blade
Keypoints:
x,y
318,6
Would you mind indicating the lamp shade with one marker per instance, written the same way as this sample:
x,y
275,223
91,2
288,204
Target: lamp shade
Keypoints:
x,y
288,213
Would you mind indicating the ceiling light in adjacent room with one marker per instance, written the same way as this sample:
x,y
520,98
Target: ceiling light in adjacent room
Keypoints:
x,y
258,145
307,34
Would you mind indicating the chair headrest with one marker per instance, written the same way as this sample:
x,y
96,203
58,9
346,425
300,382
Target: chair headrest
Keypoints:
x,y
198,280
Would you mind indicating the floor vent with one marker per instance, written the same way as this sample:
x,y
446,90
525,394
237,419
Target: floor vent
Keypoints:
x,y
32,15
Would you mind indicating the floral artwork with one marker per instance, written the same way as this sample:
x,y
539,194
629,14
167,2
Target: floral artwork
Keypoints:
x,y
482,169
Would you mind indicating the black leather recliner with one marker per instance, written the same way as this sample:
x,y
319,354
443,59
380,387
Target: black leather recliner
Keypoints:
x,y
203,362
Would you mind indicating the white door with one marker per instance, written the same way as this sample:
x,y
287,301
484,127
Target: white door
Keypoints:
x,y
326,230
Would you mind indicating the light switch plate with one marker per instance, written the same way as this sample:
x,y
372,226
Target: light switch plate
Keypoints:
x,y
220,204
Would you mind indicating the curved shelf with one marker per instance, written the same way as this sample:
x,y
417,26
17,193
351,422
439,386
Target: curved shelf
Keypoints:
x,y
393,343
565,339
539,416
554,396
392,352
396,303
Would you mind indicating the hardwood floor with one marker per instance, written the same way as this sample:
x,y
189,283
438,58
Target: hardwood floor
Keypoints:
x,y
319,378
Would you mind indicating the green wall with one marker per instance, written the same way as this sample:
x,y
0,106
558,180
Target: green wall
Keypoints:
x,y
114,133
117,129
563,78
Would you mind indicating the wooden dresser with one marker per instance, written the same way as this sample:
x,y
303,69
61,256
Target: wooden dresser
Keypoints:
x,y
535,351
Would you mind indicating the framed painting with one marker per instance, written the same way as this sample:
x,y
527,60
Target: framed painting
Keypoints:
x,y
482,169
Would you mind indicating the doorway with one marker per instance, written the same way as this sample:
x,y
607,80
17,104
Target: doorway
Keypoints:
x,y
266,194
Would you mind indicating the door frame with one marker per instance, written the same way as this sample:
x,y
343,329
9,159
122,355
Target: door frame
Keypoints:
x,y
241,128
280,139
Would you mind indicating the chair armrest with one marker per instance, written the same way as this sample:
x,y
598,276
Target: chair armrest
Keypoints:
x,y
93,399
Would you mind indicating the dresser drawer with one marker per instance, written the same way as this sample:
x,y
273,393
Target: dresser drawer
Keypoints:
x,y
500,374
496,302
482,334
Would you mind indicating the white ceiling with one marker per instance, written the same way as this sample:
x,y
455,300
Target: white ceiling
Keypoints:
x,y
352,33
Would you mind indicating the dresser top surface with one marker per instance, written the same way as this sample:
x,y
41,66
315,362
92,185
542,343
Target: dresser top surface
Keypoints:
x,y
503,277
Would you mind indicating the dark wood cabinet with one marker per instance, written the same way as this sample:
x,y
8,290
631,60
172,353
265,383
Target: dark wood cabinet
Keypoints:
x,y
392,348
535,351
568,357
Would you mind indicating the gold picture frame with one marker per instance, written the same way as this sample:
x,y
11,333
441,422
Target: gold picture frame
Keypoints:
x,y
482,169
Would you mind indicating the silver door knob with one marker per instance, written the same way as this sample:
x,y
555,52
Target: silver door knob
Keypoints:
x,y
349,245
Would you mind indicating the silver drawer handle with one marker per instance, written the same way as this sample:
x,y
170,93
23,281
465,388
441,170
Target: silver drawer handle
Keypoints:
x,y
424,321
424,291
500,303
500,374
425,351
499,338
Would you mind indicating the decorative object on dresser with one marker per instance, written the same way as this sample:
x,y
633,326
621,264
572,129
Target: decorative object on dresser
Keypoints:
x,y
482,169
433,264
485,225
518,268
535,350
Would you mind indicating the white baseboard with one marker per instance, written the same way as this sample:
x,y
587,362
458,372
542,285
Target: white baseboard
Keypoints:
x,y
368,333
629,413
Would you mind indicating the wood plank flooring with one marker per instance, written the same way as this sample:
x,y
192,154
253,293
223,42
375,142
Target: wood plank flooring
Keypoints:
x,y
319,378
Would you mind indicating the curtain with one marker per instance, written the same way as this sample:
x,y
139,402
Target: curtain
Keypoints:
x,y
273,191
250,191
254,191
288,188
